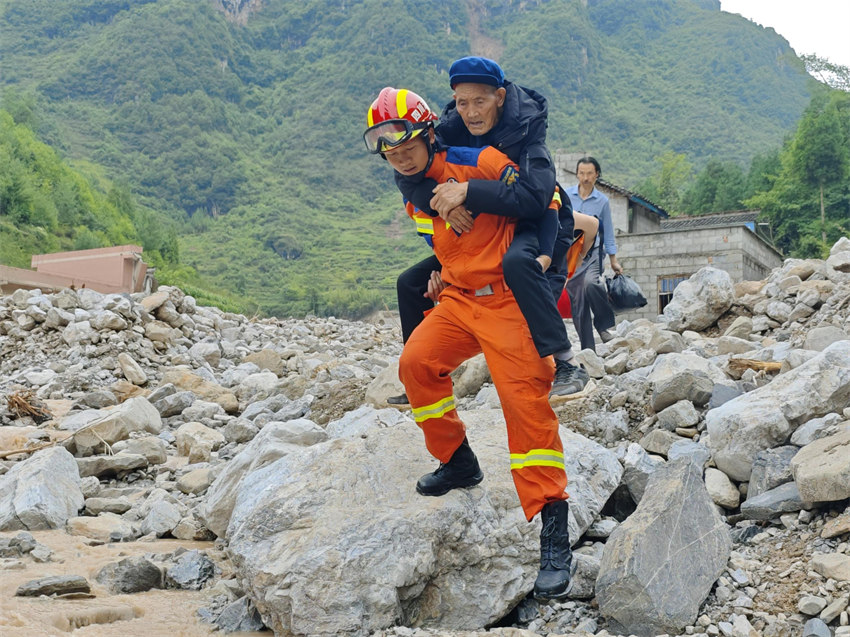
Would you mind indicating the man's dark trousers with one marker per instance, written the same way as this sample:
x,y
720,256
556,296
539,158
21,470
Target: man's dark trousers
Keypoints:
x,y
589,300
410,288
534,295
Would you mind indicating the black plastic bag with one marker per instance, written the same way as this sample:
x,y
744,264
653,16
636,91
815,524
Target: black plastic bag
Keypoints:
x,y
624,294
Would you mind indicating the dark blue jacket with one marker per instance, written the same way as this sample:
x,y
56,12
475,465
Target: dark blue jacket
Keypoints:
x,y
520,133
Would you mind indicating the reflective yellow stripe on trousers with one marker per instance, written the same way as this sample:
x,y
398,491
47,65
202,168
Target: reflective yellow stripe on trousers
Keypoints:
x,y
435,410
537,458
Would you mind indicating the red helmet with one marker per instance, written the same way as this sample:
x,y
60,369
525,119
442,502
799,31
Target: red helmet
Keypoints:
x,y
396,116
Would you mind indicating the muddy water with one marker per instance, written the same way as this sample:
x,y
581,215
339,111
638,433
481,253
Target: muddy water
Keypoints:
x,y
156,613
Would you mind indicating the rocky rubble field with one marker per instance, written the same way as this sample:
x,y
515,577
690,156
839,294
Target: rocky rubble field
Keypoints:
x,y
249,472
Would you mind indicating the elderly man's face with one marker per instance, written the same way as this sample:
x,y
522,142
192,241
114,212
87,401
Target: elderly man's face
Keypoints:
x,y
479,106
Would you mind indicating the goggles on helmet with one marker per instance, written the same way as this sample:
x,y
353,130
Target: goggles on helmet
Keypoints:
x,y
391,133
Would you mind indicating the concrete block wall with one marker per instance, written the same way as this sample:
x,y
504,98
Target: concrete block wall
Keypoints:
x,y
644,220
760,258
648,257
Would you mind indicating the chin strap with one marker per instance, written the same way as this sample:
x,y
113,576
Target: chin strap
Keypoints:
x,y
432,149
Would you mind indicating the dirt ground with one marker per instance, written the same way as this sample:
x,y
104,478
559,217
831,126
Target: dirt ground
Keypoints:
x,y
155,613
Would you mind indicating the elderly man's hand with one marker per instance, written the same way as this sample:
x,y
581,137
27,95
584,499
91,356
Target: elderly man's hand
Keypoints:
x,y
448,195
460,219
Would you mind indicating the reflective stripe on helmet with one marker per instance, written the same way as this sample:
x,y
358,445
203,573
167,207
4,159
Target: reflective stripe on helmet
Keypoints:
x,y
401,102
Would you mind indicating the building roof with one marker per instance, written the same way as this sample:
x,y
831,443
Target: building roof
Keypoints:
x,y
736,218
634,198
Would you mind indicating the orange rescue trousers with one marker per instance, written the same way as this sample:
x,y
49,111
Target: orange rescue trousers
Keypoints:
x,y
459,327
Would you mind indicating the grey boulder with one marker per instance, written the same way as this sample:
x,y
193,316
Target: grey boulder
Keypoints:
x,y
660,564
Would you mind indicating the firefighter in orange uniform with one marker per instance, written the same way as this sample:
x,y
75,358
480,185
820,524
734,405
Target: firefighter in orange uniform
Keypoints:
x,y
476,313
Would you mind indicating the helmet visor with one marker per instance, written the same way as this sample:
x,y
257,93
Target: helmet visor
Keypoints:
x,y
391,133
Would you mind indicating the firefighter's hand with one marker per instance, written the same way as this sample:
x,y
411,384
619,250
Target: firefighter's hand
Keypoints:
x,y
448,195
460,219
544,261
435,286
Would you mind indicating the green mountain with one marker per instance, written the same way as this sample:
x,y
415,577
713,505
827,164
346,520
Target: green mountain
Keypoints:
x,y
240,120
47,206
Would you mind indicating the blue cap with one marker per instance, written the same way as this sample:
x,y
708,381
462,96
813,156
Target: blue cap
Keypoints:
x,y
476,70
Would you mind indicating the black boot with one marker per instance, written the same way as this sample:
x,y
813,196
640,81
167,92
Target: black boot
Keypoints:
x,y
460,472
400,400
556,556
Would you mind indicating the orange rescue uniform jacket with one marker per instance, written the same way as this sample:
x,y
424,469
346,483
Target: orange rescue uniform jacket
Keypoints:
x,y
470,260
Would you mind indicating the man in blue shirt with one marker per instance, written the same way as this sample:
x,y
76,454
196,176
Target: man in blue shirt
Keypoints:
x,y
588,294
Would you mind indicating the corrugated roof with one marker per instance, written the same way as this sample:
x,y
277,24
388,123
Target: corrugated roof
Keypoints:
x,y
634,197
736,218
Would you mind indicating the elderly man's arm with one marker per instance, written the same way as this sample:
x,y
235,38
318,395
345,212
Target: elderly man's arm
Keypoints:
x,y
527,197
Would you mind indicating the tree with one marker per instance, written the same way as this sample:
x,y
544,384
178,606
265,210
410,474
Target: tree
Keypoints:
x,y
833,75
719,187
808,198
667,185
819,151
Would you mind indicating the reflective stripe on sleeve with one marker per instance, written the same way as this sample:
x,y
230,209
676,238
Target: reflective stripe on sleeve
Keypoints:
x,y
435,410
424,226
537,458
556,198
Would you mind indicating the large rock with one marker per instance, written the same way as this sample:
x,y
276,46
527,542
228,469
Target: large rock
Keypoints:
x,y
638,465
110,466
668,366
679,414
360,420
197,441
133,372
832,565
766,417
721,489
819,338
267,359
385,384
822,469
356,550
467,379
41,492
106,527
676,377
698,302
131,575
660,564
276,440
54,585
771,468
135,415
771,504
187,380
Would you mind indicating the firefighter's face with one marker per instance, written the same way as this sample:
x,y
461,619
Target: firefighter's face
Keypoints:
x,y
411,157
